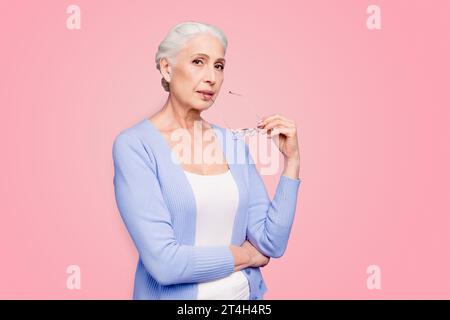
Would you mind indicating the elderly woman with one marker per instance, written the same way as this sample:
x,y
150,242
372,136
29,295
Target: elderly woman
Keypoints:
x,y
202,229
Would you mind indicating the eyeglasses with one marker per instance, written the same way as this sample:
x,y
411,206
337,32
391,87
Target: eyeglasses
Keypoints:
x,y
242,132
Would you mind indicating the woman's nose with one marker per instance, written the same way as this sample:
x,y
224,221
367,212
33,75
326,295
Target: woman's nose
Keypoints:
x,y
210,75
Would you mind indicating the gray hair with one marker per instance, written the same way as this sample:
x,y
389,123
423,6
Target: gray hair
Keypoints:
x,y
177,37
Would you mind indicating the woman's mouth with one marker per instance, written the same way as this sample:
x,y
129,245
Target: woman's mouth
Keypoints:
x,y
206,95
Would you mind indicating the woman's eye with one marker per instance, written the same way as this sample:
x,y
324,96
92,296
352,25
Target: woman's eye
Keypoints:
x,y
199,60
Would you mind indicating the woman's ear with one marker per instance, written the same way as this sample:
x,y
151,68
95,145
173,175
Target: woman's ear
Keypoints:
x,y
165,68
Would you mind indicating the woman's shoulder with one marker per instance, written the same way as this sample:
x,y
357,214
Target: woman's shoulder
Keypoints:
x,y
142,130
137,137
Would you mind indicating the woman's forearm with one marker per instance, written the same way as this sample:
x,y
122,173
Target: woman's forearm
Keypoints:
x,y
291,167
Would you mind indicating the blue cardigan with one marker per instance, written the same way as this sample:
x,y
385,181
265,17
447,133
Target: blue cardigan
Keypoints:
x,y
158,207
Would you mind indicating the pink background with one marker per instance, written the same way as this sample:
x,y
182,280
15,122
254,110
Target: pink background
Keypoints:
x,y
371,110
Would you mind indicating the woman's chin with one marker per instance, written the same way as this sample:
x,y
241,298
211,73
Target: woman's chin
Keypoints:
x,y
203,105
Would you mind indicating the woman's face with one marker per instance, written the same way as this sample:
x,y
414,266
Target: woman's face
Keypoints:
x,y
199,67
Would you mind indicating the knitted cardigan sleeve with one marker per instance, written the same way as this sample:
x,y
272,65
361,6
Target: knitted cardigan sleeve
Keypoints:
x,y
147,219
270,222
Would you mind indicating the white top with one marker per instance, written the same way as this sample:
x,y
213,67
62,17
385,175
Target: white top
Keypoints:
x,y
217,200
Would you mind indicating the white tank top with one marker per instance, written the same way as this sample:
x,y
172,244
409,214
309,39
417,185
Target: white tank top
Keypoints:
x,y
217,200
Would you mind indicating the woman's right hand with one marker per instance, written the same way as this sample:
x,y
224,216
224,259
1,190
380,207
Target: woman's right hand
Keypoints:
x,y
257,258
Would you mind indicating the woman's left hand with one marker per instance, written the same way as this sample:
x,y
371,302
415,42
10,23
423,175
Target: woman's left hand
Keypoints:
x,y
284,133
258,259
